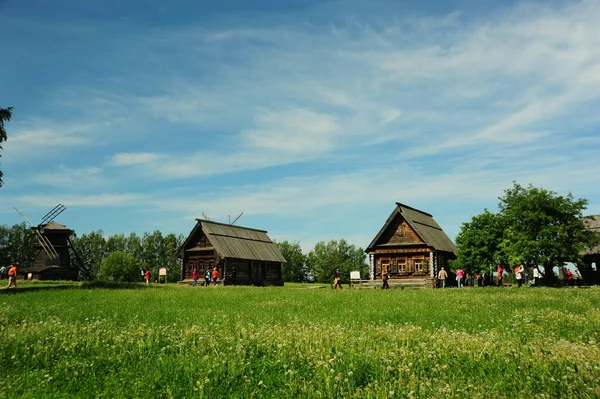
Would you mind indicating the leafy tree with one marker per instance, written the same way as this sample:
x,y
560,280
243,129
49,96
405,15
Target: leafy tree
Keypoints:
x,y
120,266
5,115
478,242
326,257
92,249
116,242
171,244
295,269
17,245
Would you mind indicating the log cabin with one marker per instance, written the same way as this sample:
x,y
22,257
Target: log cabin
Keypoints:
x,y
590,269
410,245
250,252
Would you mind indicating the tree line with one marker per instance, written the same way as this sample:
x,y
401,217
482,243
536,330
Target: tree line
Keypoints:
x,y
120,257
117,257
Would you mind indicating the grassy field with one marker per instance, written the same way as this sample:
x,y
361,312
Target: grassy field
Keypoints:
x,y
244,342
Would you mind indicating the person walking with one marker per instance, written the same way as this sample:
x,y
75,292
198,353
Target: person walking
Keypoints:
x,y
385,277
215,276
442,276
233,275
147,276
499,271
12,276
537,276
207,278
460,275
479,279
337,280
519,270
569,277
195,277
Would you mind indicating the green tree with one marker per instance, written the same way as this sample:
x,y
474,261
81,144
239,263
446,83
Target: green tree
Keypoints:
x,y
121,267
91,248
17,245
5,115
116,242
326,257
478,243
295,268
170,245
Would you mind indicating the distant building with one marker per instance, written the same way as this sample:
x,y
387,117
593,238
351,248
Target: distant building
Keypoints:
x,y
409,246
256,259
591,256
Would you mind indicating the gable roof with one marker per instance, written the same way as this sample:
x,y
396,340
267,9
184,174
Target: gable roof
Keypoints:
x,y
237,241
592,223
423,224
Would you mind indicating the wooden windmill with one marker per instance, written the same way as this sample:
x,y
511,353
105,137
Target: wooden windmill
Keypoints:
x,y
53,249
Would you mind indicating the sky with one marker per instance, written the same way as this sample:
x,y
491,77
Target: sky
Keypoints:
x,y
313,118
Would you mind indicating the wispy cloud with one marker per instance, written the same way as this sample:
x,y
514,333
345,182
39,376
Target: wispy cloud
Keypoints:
x,y
360,107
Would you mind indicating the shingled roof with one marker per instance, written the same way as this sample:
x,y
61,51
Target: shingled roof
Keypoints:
x,y
238,242
592,223
423,224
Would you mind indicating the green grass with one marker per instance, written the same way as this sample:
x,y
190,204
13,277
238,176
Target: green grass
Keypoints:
x,y
242,342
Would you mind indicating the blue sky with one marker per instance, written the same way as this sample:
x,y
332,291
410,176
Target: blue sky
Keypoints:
x,y
311,117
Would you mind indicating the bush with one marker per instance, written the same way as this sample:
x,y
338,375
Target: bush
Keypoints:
x,y
121,267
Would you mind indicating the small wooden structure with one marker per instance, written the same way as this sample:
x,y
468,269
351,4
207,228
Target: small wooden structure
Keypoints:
x,y
591,256
53,264
410,246
255,259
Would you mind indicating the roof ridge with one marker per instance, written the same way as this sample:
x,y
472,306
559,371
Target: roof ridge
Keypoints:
x,y
414,209
230,225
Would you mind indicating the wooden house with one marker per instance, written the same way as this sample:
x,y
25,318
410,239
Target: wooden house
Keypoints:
x,y
410,245
250,252
590,270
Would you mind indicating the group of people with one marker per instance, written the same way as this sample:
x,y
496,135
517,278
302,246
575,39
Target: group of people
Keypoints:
x,y
210,276
463,279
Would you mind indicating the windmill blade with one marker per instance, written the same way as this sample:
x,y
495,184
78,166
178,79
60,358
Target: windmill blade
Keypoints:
x,y
24,217
239,216
50,216
42,240
205,216
46,245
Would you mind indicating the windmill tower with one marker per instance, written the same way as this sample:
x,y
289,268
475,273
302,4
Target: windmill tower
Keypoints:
x,y
53,254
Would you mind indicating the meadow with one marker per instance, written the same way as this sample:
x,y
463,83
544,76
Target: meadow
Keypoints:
x,y
293,342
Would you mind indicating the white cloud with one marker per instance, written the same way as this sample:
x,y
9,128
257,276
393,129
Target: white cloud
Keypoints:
x,y
128,159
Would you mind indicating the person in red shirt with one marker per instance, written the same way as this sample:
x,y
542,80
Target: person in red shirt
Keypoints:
x,y
569,275
12,276
147,276
195,277
215,276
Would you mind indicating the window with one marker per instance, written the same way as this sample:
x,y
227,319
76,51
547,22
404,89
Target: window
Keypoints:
x,y
394,267
402,267
419,265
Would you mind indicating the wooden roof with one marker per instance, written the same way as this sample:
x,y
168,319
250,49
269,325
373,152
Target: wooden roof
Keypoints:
x,y
237,241
592,223
423,224
54,227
